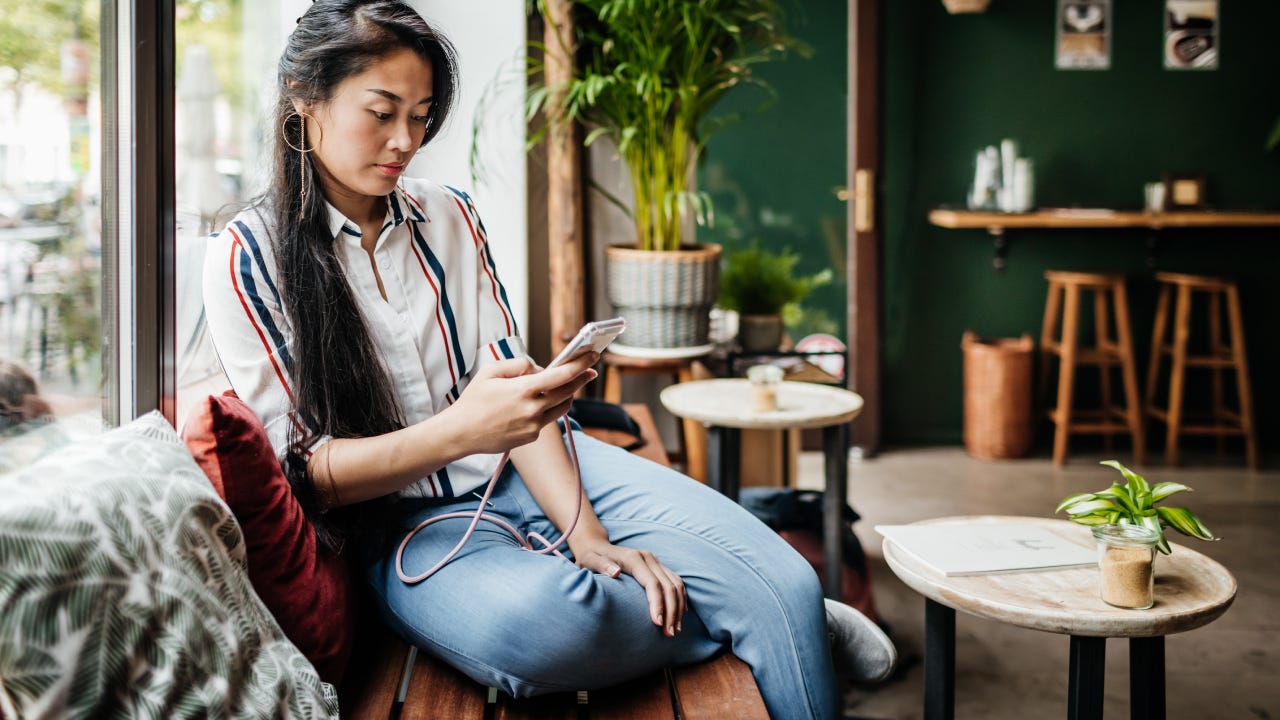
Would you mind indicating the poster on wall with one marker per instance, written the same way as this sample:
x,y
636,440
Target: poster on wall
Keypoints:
x,y
1191,34
1084,35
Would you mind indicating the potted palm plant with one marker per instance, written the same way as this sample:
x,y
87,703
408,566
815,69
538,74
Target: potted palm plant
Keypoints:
x,y
648,72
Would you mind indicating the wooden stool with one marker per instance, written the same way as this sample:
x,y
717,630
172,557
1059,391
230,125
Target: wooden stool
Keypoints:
x,y
1064,297
692,442
1221,356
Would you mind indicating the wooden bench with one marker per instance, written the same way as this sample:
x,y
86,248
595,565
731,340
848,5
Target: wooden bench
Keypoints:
x,y
388,678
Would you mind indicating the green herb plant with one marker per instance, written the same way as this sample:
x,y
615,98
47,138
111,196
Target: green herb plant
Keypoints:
x,y
756,281
1134,504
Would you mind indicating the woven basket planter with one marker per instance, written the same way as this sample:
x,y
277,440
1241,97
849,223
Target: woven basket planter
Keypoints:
x,y
997,397
666,297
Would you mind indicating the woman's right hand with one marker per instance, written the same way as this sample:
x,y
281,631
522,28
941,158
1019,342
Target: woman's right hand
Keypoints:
x,y
507,403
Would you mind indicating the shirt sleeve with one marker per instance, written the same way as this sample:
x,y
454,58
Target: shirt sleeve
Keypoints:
x,y
499,336
251,334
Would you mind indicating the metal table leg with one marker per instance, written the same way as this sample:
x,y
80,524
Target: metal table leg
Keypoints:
x,y
835,448
1087,675
723,456
939,661
1146,678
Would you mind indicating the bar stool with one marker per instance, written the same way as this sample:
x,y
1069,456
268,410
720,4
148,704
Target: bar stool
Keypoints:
x,y
1221,356
680,369
1065,289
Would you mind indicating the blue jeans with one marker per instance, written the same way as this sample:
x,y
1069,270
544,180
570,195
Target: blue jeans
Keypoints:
x,y
532,624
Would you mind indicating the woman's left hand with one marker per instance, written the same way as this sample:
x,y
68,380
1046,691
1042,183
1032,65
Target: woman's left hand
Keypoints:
x,y
668,598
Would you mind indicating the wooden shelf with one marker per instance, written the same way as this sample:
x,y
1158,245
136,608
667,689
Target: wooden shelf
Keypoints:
x,y
1070,218
996,223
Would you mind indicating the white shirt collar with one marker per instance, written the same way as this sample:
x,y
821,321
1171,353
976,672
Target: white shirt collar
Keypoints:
x,y
399,208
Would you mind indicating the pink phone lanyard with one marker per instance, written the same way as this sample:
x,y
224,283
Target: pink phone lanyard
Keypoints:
x,y
480,514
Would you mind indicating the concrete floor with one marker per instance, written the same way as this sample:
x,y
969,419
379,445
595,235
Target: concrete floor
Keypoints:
x,y
1228,669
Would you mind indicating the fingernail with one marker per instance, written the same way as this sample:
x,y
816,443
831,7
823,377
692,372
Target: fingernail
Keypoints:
x,y
677,627
612,570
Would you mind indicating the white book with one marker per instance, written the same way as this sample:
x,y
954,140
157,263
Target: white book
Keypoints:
x,y
976,549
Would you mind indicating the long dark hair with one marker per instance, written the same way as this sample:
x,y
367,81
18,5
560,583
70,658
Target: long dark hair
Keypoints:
x,y
340,385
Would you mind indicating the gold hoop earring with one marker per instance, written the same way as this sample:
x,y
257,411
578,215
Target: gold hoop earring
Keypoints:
x,y
302,132
302,152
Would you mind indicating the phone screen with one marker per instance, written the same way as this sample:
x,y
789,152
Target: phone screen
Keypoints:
x,y
593,336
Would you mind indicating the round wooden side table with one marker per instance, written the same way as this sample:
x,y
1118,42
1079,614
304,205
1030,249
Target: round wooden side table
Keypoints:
x,y
724,406
1191,590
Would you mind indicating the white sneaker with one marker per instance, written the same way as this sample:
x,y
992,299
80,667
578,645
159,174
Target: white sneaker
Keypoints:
x,y
860,649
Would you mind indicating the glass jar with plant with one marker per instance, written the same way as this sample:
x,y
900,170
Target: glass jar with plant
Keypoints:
x,y
647,74
1129,528
761,286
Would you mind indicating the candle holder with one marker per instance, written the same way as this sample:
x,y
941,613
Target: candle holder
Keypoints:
x,y
765,380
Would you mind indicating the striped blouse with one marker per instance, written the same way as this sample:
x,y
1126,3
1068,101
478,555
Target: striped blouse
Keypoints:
x,y
445,315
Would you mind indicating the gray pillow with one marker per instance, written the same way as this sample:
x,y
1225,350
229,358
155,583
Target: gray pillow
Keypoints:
x,y
123,592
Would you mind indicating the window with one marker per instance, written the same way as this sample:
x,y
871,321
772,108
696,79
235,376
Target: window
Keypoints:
x,y
51,230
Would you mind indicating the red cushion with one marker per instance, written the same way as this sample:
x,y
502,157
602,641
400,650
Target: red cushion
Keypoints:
x,y
304,585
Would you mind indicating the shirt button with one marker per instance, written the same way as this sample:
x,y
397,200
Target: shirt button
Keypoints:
x,y
385,263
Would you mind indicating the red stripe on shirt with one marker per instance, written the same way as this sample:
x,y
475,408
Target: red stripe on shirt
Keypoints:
x,y
416,204
493,282
238,245
235,283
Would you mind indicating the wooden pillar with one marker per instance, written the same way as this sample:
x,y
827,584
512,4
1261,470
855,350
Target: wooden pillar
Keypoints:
x,y
862,374
564,182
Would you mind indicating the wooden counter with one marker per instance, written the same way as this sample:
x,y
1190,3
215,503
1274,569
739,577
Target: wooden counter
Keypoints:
x,y
996,223
1072,218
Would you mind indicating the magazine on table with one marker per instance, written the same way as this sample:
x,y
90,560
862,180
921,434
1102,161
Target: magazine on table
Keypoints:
x,y
977,549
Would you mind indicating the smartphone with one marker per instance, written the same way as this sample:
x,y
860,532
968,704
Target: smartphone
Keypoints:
x,y
594,336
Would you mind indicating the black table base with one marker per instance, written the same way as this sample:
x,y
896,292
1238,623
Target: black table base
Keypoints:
x,y
1085,678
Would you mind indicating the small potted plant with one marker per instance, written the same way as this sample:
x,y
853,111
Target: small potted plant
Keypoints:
x,y
760,285
1129,529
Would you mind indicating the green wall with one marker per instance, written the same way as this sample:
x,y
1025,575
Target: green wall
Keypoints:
x,y
953,84
773,174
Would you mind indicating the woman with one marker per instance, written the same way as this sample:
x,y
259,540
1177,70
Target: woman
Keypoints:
x,y
360,314
20,400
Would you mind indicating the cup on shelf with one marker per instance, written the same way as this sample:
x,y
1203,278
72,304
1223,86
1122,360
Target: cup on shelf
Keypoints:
x,y
1024,185
1153,197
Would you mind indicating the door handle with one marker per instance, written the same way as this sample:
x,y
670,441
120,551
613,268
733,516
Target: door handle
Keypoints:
x,y
863,197
864,202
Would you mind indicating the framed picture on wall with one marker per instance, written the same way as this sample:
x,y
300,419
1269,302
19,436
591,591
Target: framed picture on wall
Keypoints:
x,y
1183,191
1084,35
1191,34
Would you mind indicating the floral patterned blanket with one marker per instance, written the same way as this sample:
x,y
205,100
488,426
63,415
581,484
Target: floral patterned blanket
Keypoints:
x,y
123,592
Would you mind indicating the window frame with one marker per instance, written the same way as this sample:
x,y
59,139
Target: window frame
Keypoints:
x,y
138,208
